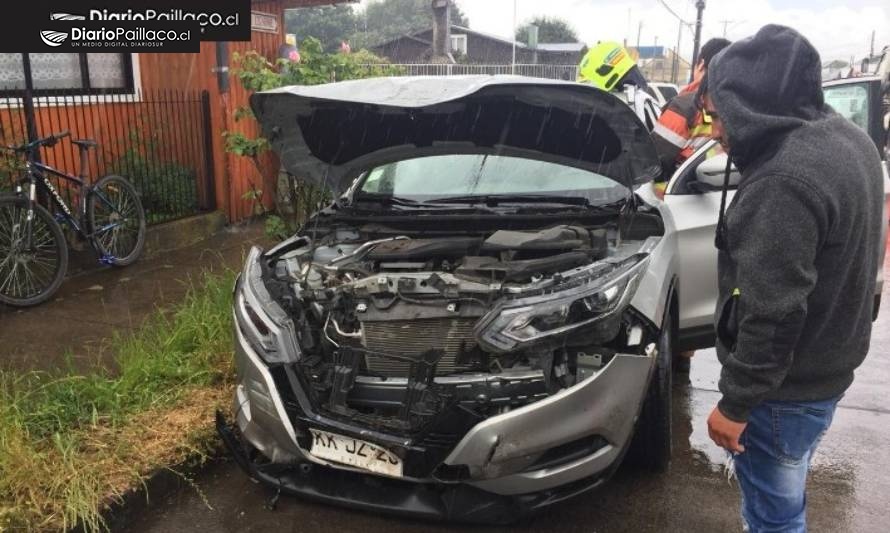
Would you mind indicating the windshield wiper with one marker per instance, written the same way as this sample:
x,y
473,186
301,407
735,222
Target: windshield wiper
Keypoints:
x,y
492,200
387,199
390,200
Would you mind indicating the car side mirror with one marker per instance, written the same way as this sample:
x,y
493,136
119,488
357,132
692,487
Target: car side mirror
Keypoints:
x,y
710,174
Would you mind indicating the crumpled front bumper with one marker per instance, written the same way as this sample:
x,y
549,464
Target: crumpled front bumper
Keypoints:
x,y
499,453
605,404
431,501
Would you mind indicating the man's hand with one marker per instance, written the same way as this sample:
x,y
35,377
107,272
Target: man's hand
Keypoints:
x,y
724,432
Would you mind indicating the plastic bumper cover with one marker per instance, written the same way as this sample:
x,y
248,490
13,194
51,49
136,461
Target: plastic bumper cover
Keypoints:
x,y
433,501
605,404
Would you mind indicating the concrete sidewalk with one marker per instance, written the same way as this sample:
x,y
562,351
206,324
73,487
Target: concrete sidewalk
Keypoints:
x,y
91,306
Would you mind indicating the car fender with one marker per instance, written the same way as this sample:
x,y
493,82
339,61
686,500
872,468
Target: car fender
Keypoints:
x,y
655,288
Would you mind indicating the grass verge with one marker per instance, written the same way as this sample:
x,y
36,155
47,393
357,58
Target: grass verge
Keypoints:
x,y
72,444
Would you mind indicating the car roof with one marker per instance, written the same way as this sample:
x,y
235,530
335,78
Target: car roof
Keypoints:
x,y
845,81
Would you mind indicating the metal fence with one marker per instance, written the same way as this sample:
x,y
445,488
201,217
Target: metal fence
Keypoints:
x,y
555,72
159,140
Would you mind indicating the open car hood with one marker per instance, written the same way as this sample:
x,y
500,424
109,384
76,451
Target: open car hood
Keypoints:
x,y
330,133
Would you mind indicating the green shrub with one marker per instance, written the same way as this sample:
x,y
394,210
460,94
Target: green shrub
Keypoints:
x,y
167,188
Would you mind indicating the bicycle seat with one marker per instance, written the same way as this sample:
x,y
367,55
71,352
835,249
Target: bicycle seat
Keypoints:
x,y
85,143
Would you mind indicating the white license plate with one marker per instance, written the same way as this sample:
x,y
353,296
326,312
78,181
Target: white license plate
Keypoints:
x,y
355,452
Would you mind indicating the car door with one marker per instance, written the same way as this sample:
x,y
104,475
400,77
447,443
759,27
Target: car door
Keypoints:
x,y
693,196
862,101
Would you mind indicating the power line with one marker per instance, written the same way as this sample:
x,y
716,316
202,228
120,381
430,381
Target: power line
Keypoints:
x,y
690,26
672,12
675,64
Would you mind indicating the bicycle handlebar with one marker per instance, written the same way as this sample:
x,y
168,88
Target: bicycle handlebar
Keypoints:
x,y
46,141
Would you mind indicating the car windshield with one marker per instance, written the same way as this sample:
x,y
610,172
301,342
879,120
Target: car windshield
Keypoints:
x,y
458,175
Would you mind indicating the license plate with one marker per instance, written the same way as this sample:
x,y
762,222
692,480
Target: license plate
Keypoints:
x,y
354,452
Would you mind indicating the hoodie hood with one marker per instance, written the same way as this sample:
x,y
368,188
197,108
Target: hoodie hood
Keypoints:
x,y
763,87
330,133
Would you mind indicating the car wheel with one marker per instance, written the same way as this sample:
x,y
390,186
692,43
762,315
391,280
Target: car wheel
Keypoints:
x,y
651,445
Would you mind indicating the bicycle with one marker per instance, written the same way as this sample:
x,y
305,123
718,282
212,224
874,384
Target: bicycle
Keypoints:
x,y
33,249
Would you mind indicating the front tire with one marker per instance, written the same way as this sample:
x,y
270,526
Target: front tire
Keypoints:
x,y
30,277
651,445
117,220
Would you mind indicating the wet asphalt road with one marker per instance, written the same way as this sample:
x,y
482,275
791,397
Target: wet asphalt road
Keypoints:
x,y
849,488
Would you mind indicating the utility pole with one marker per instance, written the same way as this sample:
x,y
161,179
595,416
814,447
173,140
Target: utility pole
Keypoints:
x,y
654,56
639,34
627,31
871,50
700,6
513,63
675,64
725,25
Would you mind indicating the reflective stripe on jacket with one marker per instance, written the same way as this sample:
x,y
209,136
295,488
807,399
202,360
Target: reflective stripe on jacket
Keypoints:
x,y
680,131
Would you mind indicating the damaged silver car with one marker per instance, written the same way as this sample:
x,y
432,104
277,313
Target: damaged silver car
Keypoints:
x,y
481,324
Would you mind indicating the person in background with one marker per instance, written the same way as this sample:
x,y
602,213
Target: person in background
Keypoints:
x,y
681,129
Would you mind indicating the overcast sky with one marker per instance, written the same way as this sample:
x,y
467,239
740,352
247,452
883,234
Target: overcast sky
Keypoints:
x,y
838,31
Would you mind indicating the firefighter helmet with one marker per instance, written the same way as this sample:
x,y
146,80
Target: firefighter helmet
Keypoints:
x,y
605,65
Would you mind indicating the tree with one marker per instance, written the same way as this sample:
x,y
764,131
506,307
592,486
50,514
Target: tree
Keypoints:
x,y
331,25
385,20
550,30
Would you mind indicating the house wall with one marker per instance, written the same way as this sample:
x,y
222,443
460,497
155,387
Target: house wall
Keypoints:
x,y
179,129
235,175
480,51
404,50
560,58
155,139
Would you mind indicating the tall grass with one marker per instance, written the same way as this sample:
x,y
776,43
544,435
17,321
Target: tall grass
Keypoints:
x,y
65,439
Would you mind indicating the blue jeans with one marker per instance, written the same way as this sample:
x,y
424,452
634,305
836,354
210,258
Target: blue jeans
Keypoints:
x,y
779,442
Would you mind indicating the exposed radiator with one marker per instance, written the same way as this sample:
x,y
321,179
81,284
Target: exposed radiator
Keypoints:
x,y
411,338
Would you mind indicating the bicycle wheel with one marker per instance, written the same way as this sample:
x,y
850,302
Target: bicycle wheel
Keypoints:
x,y
29,276
117,220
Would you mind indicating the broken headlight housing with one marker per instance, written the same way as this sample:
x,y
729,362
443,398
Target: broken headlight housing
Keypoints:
x,y
518,323
262,322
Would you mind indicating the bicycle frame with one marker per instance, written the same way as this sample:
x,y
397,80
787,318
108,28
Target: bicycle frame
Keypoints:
x,y
37,177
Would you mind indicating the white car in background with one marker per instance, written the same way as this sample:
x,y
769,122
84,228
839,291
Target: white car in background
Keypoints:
x,y
663,92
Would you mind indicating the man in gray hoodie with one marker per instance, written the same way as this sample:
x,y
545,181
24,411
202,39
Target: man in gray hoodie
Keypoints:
x,y
799,251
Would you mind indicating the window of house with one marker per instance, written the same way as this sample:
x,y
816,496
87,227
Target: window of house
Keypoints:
x,y
56,72
459,44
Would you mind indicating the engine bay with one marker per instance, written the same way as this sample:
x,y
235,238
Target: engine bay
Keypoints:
x,y
403,330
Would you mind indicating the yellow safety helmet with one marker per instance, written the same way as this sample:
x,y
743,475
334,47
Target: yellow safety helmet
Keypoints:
x,y
605,64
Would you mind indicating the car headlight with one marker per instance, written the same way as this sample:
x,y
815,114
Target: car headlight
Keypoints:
x,y
529,320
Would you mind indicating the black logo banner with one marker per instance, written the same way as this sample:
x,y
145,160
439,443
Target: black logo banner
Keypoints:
x,y
132,25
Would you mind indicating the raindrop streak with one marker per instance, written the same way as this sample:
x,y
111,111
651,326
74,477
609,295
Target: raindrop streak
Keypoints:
x,y
786,78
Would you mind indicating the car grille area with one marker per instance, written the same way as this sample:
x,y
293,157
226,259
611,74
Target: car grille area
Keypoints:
x,y
407,340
